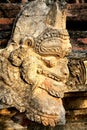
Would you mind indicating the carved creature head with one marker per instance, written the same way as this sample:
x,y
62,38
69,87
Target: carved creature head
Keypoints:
x,y
35,70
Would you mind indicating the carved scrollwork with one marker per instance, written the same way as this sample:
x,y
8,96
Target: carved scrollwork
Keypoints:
x,y
50,42
77,74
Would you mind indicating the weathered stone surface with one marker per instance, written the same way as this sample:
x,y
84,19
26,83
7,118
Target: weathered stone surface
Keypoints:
x,y
33,66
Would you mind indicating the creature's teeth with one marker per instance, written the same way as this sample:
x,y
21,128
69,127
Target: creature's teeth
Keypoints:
x,y
45,36
51,76
45,73
45,122
51,122
56,79
57,95
31,117
53,93
37,118
40,71
60,94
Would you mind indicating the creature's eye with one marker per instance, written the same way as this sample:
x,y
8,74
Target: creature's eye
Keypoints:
x,y
27,41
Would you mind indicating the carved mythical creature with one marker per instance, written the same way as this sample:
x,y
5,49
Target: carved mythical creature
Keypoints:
x,y
77,75
33,66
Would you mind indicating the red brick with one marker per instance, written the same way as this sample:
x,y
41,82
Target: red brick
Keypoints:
x,y
3,43
6,20
77,12
77,45
9,10
82,40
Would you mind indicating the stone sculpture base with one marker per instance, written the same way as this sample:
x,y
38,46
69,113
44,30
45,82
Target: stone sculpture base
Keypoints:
x,y
75,125
76,116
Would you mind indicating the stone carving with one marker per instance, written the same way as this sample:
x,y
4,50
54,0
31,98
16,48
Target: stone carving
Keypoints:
x,y
77,74
77,71
33,66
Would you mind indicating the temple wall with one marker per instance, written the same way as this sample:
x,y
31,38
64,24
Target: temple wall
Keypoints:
x,y
75,103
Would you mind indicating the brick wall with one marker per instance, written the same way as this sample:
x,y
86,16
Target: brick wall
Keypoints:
x,y
77,25
8,12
